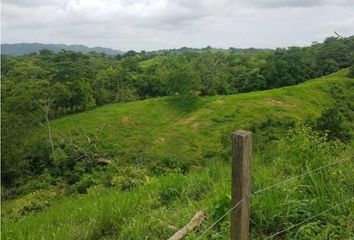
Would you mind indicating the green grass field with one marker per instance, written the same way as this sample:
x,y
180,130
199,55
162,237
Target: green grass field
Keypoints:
x,y
175,161
160,129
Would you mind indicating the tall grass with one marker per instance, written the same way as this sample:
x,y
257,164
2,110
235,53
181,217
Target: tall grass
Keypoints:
x,y
187,156
162,205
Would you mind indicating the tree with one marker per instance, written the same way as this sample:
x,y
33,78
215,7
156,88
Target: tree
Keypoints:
x,y
184,85
183,81
73,82
130,53
21,112
114,84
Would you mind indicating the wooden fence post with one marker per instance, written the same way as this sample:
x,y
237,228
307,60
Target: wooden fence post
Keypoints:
x,y
241,184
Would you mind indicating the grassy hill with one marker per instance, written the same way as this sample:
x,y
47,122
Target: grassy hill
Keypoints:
x,y
168,161
158,128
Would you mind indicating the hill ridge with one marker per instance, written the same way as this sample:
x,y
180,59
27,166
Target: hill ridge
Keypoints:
x,y
17,49
156,124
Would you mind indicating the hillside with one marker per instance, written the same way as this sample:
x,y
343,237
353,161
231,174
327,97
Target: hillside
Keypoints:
x,y
159,129
17,49
72,82
168,161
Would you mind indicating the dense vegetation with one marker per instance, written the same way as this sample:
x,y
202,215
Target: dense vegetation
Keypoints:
x,y
134,166
167,162
48,85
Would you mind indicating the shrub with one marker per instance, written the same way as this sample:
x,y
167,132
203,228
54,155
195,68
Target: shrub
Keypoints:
x,y
304,148
85,182
351,71
332,122
39,156
173,188
169,194
221,206
129,177
44,181
199,188
33,202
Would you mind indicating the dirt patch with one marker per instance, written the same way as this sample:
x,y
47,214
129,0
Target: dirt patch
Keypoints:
x,y
187,121
273,101
125,120
219,101
207,110
195,126
190,122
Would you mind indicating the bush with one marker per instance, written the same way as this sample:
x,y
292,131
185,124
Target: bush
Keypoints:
x,y
129,177
332,122
199,188
172,189
170,194
33,202
221,206
85,182
351,71
39,155
305,148
44,181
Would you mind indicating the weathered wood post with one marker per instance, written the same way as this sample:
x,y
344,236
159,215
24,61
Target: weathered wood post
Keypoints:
x,y
241,184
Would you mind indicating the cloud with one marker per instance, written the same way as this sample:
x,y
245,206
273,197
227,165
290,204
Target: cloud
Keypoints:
x,y
158,24
295,3
35,3
345,26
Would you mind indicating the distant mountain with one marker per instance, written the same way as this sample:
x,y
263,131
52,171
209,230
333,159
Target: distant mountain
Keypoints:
x,y
26,48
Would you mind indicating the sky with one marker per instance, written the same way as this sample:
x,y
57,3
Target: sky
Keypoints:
x,y
165,24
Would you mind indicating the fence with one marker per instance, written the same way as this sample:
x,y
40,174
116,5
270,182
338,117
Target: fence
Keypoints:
x,y
241,188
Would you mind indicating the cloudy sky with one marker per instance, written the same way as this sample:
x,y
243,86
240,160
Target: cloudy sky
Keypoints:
x,y
161,24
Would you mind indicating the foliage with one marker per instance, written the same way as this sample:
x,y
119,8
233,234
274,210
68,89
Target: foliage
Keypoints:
x,y
305,149
34,202
332,122
183,81
337,120
74,82
111,132
129,177
157,208
351,72
144,168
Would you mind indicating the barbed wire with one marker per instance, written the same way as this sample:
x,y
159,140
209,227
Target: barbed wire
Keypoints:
x,y
276,185
304,174
308,219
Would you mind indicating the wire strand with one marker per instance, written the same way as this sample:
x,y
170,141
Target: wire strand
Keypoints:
x,y
272,186
304,174
308,219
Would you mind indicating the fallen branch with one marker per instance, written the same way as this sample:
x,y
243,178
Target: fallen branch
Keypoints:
x,y
102,160
195,221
